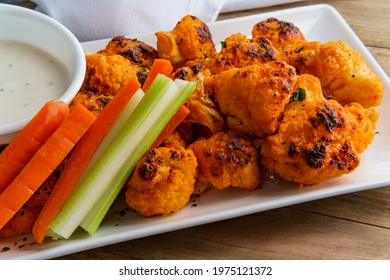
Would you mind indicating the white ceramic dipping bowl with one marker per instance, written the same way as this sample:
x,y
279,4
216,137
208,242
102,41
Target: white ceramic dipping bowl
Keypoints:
x,y
31,27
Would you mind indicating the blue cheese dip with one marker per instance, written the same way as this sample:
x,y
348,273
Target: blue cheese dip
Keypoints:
x,y
29,77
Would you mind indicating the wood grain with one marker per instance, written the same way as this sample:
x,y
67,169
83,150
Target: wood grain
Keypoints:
x,y
285,233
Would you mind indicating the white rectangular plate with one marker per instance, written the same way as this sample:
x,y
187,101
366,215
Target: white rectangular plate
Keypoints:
x,y
318,22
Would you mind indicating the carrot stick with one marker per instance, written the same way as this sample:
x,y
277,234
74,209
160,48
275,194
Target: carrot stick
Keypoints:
x,y
80,158
16,155
44,162
160,66
177,118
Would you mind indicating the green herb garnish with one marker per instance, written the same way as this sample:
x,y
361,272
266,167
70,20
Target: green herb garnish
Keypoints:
x,y
299,94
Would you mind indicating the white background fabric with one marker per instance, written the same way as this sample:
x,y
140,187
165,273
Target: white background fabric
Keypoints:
x,y
99,19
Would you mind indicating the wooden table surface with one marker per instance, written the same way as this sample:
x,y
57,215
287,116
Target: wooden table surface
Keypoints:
x,y
352,226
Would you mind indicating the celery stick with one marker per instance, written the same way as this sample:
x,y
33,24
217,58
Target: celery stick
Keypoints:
x,y
100,209
117,126
112,168
82,199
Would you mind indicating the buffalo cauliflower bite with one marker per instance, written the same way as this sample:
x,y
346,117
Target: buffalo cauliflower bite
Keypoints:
x,y
189,40
137,52
240,51
162,182
227,159
253,97
317,138
280,33
105,76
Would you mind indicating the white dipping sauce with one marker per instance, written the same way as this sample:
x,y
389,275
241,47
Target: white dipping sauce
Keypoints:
x,y
29,77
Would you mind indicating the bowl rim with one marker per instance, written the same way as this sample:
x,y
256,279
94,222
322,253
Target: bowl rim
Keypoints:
x,y
77,77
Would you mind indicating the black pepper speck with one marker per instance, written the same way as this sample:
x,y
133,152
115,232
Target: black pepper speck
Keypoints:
x,y
5,249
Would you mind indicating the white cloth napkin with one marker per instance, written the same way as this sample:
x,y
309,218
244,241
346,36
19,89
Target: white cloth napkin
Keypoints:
x,y
99,19
92,19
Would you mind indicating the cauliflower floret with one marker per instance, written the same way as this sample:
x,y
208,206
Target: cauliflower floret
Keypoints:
x,y
189,40
280,33
227,159
162,182
253,97
317,139
105,76
137,52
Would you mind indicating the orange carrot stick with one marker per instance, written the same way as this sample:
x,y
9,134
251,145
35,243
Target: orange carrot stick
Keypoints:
x,y
16,155
177,118
160,66
44,162
80,158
